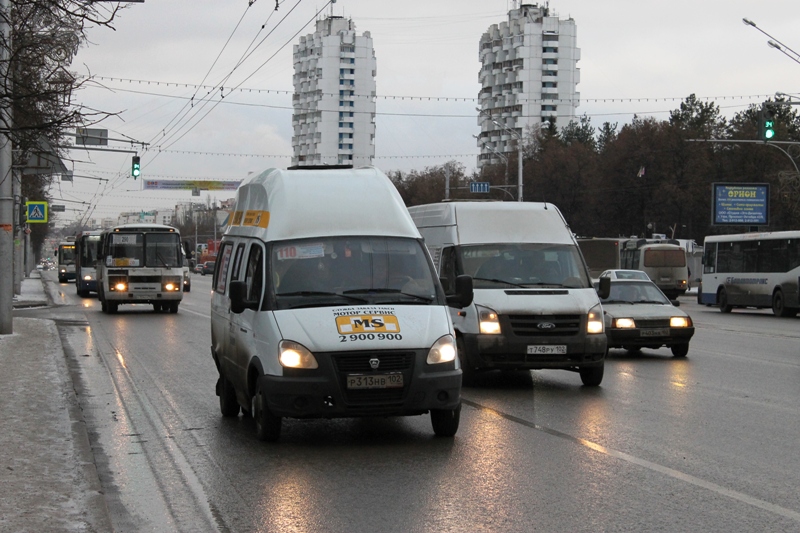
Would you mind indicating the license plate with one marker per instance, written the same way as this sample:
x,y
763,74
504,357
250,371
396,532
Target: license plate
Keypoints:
x,y
662,332
547,349
374,381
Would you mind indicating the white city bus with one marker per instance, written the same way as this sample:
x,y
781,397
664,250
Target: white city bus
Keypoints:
x,y
140,263
65,256
86,246
664,262
759,270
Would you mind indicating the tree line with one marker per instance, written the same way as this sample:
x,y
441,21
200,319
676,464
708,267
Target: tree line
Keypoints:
x,y
648,176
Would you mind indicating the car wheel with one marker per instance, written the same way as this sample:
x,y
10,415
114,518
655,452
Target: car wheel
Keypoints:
x,y
722,298
445,421
268,426
592,376
228,404
467,371
680,350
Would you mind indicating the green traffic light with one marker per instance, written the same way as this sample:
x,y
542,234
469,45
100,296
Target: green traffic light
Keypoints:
x,y
135,167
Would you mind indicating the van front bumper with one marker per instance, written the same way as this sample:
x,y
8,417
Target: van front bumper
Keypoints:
x,y
512,352
323,392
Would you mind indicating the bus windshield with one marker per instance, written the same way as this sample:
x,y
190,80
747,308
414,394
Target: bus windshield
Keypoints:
x,y
524,265
88,249
66,254
156,250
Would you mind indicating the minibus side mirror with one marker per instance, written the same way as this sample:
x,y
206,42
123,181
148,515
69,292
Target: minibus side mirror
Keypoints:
x,y
605,288
463,296
237,292
676,303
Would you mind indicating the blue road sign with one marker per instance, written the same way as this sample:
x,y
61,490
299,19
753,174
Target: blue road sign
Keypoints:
x,y
36,212
479,186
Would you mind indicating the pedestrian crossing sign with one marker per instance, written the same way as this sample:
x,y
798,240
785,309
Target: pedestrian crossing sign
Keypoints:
x,y
36,212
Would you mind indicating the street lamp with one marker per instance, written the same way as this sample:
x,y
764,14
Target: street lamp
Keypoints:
x,y
518,137
775,43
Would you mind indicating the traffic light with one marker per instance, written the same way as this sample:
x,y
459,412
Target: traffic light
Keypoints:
x,y
767,122
135,167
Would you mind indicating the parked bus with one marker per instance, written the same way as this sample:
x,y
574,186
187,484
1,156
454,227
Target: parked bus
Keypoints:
x,y
65,259
600,254
86,246
664,262
759,270
140,263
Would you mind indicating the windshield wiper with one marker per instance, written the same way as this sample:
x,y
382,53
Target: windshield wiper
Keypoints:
x,y
501,281
322,293
161,258
616,302
389,291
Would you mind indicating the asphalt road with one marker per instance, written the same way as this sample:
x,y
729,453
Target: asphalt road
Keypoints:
x,y
706,443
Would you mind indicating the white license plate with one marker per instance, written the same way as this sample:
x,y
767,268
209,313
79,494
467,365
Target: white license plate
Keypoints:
x,y
547,349
661,332
374,381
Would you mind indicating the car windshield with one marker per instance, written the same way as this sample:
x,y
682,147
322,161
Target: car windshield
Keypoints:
x,y
524,265
346,270
635,293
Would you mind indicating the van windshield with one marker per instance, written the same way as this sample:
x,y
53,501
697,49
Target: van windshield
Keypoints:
x,y
493,266
347,270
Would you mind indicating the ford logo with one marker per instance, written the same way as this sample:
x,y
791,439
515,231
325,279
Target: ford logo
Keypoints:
x,y
374,363
545,325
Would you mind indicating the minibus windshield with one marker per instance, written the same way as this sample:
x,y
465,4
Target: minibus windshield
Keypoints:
x,y
347,270
494,266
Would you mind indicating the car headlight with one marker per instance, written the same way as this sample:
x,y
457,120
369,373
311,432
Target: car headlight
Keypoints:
x,y
488,321
295,355
624,323
594,324
679,322
442,351
87,277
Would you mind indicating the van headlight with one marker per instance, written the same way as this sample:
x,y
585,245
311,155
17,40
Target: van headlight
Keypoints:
x,y
442,351
488,321
594,324
295,355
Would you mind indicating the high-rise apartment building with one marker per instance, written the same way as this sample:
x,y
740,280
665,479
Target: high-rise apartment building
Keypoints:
x,y
334,96
529,76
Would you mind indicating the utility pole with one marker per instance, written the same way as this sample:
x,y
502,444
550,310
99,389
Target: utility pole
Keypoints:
x,y
6,182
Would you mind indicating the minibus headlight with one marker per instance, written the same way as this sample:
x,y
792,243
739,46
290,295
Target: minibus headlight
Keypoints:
x,y
594,324
120,287
679,322
171,284
488,321
87,277
442,351
295,355
624,323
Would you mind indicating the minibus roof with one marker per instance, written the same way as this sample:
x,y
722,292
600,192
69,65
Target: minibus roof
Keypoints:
x,y
295,204
495,222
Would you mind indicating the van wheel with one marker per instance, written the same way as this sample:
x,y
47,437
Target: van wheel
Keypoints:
x,y
592,376
445,421
722,298
268,426
228,404
680,350
467,372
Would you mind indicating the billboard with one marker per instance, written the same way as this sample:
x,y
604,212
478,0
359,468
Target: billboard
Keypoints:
x,y
740,204
204,185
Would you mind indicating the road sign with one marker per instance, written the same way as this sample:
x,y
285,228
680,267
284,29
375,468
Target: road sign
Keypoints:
x,y
479,186
36,212
90,136
58,208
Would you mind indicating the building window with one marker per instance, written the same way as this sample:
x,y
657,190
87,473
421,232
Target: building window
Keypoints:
x,y
549,50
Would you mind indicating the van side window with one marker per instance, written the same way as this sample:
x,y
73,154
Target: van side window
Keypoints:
x,y
237,262
219,283
254,272
448,269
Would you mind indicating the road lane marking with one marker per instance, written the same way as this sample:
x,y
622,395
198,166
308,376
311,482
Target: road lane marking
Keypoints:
x,y
675,474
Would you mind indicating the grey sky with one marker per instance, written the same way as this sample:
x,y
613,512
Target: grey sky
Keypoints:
x,y
636,57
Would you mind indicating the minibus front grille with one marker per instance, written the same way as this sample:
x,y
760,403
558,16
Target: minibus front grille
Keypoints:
x,y
544,325
360,361
145,279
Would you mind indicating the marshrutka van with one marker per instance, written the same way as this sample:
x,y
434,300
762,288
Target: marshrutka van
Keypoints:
x,y
534,303
325,304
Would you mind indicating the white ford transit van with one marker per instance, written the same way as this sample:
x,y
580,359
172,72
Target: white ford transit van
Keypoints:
x,y
534,305
325,303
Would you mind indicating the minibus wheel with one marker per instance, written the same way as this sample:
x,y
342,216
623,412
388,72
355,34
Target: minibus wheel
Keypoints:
x,y
445,421
268,426
591,376
467,372
228,404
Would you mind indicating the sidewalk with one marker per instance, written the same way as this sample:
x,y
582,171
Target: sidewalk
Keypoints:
x,y
48,480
